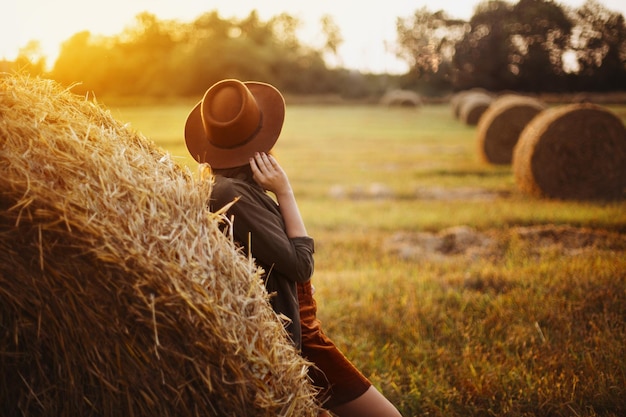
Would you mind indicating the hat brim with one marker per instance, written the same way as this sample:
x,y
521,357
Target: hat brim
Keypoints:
x,y
272,106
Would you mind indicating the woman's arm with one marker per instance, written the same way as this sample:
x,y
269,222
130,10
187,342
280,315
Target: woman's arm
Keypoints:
x,y
270,175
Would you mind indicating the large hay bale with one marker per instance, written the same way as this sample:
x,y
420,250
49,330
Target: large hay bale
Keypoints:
x,y
473,106
499,127
576,151
119,294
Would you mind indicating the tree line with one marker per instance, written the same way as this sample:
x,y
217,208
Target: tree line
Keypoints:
x,y
531,46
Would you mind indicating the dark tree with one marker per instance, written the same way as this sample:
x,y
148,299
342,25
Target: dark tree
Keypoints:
x,y
482,57
600,47
426,41
540,36
516,47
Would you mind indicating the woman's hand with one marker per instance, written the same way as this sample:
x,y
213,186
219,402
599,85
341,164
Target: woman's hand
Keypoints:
x,y
269,174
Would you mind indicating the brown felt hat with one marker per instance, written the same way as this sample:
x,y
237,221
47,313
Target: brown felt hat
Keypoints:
x,y
233,121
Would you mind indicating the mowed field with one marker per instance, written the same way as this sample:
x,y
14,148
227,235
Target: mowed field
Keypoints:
x,y
455,293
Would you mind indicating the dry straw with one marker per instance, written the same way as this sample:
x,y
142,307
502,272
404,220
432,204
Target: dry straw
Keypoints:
x,y
499,127
575,151
119,294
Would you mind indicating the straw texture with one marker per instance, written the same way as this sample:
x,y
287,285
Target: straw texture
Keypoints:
x,y
576,151
119,294
499,127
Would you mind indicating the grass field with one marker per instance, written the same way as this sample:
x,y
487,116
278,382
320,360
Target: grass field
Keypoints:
x,y
455,293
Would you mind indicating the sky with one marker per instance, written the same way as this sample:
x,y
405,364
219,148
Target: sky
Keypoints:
x,y
367,29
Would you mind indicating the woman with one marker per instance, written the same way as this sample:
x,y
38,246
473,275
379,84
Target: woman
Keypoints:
x,y
233,129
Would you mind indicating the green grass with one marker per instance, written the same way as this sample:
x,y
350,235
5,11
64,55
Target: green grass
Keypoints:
x,y
527,328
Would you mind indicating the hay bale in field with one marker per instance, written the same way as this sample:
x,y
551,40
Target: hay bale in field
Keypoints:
x,y
473,106
500,126
456,101
119,294
576,151
402,98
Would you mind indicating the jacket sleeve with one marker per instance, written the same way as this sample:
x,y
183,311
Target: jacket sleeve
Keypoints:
x,y
259,228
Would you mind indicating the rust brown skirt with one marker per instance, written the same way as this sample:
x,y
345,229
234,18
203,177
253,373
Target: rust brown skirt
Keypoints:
x,y
339,380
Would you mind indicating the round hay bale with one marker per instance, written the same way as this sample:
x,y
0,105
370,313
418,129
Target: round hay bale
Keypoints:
x,y
500,126
401,98
457,99
576,151
119,293
473,106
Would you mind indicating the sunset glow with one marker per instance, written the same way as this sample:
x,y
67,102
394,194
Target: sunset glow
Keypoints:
x,y
367,31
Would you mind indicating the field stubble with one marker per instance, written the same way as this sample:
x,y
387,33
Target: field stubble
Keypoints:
x,y
456,294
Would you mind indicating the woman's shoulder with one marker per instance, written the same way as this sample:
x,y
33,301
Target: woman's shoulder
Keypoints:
x,y
226,189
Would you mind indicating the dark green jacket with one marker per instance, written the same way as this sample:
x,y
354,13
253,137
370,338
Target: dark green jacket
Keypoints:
x,y
259,228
